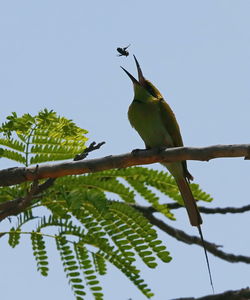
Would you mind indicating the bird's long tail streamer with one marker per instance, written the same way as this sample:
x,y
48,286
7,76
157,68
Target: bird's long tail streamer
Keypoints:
x,y
205,251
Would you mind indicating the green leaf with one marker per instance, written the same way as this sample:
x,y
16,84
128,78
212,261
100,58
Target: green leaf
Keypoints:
x,y
67,256
14,237
13,155
41,138
39,252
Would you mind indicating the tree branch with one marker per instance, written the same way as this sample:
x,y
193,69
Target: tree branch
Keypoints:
x,y
18,205
224,210
188,239
205,210
242,294
17,175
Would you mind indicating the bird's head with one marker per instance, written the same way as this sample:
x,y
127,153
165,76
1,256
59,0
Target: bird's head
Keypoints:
x,y
143,88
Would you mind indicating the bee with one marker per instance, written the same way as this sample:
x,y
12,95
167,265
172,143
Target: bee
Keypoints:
x,y
123,51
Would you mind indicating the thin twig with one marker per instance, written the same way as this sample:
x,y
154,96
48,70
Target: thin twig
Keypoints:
x,y
188,239
225,210
205,210
93,146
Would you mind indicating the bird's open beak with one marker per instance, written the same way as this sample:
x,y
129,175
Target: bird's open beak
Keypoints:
x,y
141,80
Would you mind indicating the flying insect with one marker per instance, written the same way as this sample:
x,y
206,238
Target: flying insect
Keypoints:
x,y
123,51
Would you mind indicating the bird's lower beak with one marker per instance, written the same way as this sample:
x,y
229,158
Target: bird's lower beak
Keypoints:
x,y
135,81
141,80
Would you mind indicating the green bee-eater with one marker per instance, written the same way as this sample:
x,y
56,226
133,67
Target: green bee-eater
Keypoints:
x,y
156,124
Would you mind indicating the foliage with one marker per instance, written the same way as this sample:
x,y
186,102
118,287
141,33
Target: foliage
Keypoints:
x,y
44,137
90,217
39,252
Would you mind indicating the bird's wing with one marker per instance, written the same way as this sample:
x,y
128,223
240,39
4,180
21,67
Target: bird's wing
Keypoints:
x,y
173,129
170,122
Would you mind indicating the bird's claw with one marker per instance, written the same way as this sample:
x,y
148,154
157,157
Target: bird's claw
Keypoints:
x,y
135,151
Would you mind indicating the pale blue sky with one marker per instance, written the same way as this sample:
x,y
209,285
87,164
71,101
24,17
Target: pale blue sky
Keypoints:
x,y
62,55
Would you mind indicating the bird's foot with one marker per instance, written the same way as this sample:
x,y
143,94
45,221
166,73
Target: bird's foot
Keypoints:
x,y
158,150
135,151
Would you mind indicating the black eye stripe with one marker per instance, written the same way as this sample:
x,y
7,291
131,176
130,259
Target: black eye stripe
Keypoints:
x,y
150,89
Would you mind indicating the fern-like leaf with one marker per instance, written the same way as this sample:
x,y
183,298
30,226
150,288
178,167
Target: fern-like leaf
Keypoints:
x,y
140,233
41,138
100,264
117,259
100,182
14,237
39,252
70,266
15,233
13,144
13,155
88,270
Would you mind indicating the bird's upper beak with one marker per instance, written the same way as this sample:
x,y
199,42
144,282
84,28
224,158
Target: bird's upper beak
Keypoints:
x,y
139,71
141,79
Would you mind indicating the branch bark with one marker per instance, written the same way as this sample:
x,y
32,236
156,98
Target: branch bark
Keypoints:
x,y
16,206
205,210
18,175
243,294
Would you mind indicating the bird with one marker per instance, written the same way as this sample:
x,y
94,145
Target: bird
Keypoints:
x,y
152,117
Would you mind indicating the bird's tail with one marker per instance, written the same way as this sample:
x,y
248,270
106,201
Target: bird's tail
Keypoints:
x,y
194,215
189,201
